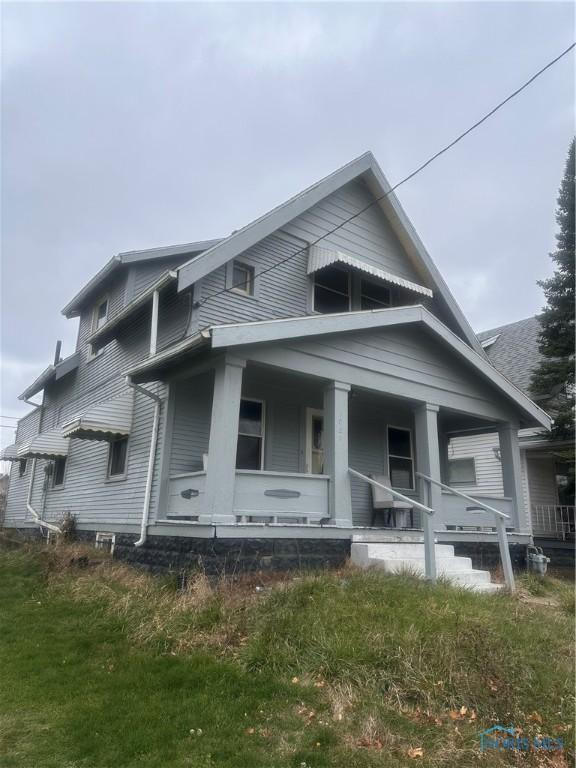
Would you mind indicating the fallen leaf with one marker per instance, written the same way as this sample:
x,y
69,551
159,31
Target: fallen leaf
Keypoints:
x,y
414,752
454,714
295,680
249,731
472,715
463,711
535,717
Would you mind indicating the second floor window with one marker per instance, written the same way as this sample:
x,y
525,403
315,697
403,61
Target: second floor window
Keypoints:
x,y
332,290
22,467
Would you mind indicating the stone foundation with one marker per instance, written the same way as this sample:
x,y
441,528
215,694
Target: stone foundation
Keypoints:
x,y
486,555
161,554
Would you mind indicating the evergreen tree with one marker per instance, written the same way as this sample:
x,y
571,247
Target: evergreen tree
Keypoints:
x,y
553,380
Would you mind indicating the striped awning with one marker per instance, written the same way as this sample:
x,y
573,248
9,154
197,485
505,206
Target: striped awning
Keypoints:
x,y
9,453
318,258
46,445
108,420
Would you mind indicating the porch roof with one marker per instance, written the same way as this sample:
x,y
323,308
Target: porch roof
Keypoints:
x,y
51,373
241,334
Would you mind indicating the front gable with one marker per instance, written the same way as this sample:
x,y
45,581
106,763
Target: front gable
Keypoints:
x,y
278,245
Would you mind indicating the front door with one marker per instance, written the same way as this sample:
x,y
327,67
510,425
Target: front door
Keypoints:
x,y
314,441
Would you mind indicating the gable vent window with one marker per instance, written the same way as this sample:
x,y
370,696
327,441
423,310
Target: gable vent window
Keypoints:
x,y
243,279
117,455
461,472
374,295
331,290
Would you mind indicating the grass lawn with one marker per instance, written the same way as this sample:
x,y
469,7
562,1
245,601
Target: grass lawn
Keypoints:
x,y
103,667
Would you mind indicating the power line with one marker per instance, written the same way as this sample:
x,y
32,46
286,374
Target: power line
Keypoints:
x,y
403,181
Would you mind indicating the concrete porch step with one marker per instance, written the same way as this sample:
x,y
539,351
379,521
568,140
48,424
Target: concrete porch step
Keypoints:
x,y
398,557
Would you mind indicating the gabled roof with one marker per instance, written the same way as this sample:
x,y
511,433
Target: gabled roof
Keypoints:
x,y
73,308
364,167
238,334
514,351
51,373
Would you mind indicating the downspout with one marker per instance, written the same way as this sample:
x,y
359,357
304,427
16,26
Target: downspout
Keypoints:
x,y
37,519
154,323
151,458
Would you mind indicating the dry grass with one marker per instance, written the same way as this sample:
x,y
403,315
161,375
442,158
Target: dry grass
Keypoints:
x,y
382,668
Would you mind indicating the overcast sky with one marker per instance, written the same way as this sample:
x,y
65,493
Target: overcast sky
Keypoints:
x,y
134,125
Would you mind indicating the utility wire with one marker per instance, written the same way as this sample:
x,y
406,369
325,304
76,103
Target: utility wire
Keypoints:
x,y
399,184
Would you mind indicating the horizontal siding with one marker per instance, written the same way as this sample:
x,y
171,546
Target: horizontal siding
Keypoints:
x,y
191,425
16,513
542,480
284,290
488,467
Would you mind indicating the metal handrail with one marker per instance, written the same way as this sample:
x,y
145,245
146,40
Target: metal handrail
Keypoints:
x,y
423,507
500,528
429,543
478,503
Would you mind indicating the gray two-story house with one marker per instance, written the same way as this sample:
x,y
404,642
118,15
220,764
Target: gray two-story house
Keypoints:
x,y
221,393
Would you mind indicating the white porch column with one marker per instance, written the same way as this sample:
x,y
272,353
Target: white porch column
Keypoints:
x,y
428,462
336,452
512,472
221,471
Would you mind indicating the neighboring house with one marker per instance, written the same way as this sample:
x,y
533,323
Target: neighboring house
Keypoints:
x,y
475,462
221,390
4,480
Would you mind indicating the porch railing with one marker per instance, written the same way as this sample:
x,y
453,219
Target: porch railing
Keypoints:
x,y
429,548
553,520
499,518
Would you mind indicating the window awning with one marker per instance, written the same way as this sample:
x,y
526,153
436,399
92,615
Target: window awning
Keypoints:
x,y
108,420
9,453
318,258
46,445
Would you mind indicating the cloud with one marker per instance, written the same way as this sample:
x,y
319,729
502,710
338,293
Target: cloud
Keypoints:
x,y
268,37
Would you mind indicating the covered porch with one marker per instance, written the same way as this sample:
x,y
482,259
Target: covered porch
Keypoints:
x,y
281,446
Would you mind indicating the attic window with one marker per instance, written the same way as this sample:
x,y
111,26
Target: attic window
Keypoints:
x,y
332,290
243,279
374,295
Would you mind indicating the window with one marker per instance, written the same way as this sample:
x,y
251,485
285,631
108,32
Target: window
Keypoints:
x,y
58,472
374,295
22,467
100,315
117,454
461,472
250,453
400,461
332,290
242,279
